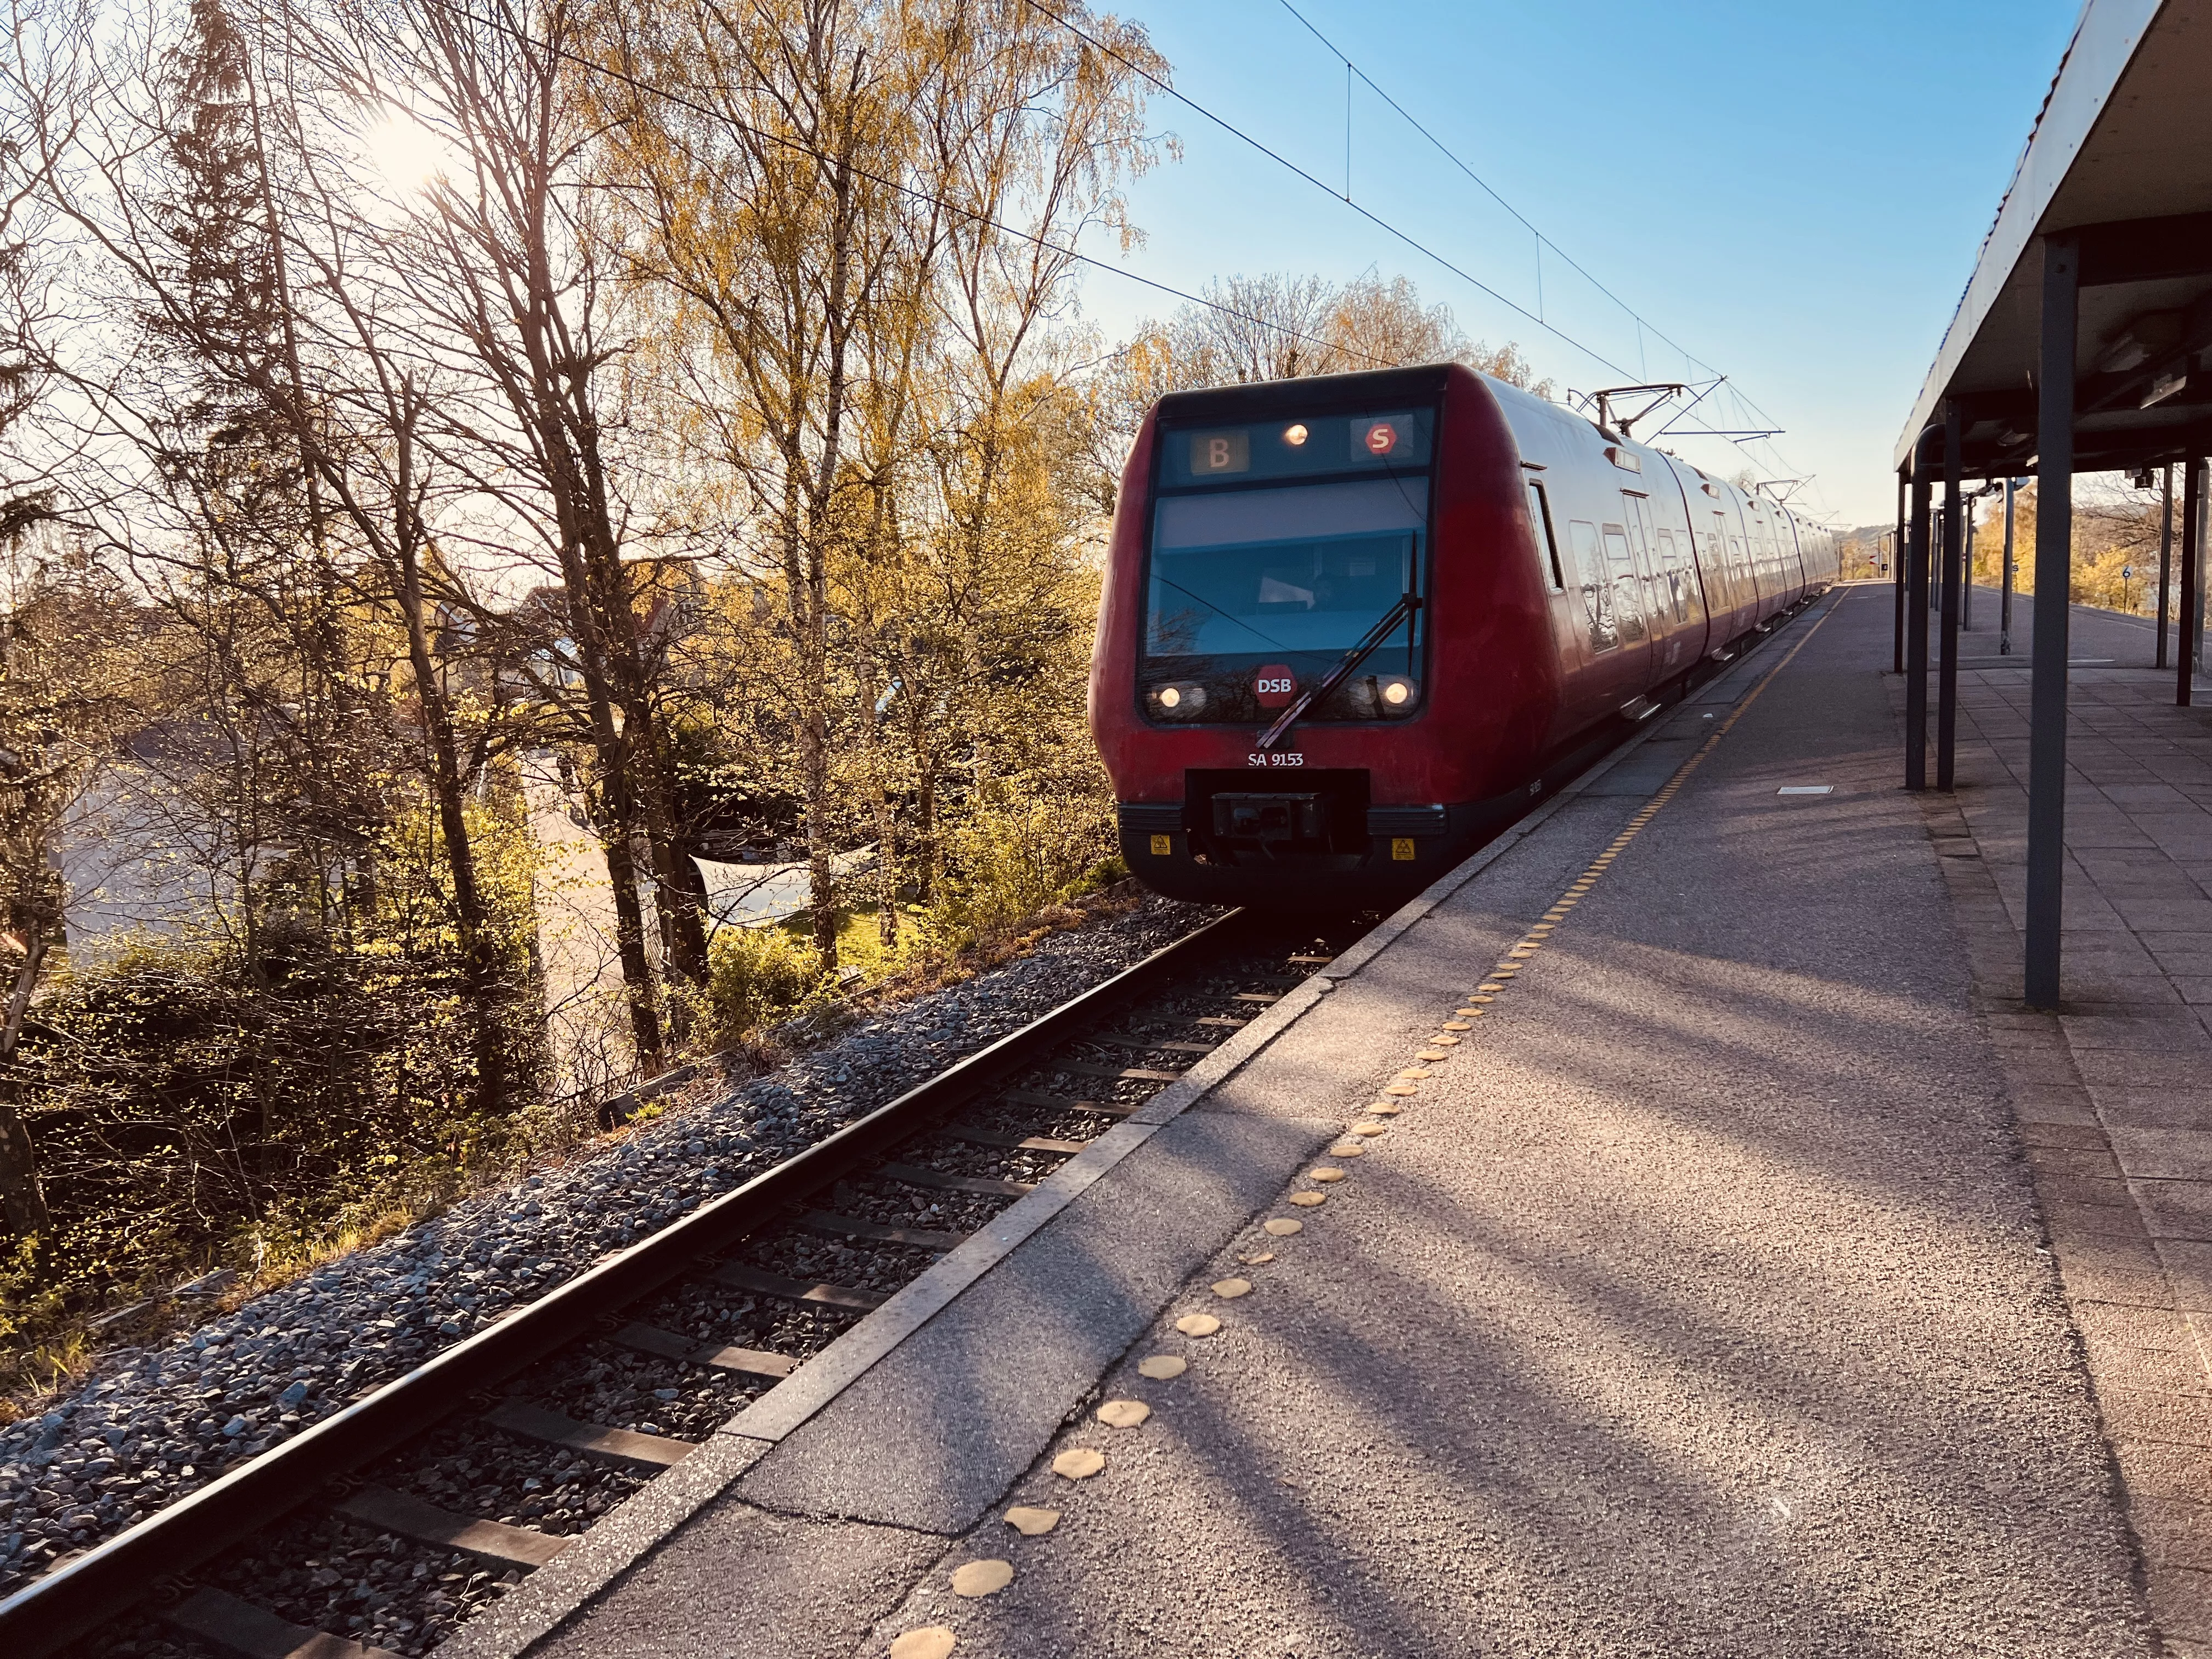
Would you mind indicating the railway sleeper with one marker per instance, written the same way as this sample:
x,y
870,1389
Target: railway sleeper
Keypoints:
x,y
673,1345
833,1225
1123,1073
1065,1104
495,1541
1138,1040
741,1278
912,1174
238,1627
1017,1142
653,1451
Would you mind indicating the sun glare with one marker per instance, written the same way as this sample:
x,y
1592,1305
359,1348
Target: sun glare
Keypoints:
x,y
409,156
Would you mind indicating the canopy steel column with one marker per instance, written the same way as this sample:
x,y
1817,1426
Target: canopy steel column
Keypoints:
x,y
2194,552
2165,560
1966,567
1915,627
2054,574
2004,603
1947,678
2193,603
1897,576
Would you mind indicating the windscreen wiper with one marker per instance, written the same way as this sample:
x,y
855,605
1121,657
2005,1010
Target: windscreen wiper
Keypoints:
x,y
1346,667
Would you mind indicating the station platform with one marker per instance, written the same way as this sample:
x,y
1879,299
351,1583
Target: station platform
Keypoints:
x,y
1705,1299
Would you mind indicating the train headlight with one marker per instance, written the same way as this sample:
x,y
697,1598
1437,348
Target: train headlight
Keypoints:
x,y
1180,701
1397,695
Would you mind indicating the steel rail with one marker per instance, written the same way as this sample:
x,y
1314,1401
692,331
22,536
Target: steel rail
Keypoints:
x,y
113,1577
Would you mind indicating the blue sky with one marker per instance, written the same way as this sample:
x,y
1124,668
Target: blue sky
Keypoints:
x,y
1794,193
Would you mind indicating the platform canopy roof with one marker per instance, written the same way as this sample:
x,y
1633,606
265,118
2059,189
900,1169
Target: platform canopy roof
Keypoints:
x,y
2121,157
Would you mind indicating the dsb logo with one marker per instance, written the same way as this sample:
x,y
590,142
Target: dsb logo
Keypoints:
x,y
1274,684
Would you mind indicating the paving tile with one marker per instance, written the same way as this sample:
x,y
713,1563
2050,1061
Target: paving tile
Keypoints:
x,y
2188,1265
2087,1282
2167,914
2068,1107
2158,1469
2152,1330
2164,1034
2177,1419
2175,1209
2065,1137
2135,1069
2162,1154
2089,1190
2181,1602
2153,1374
2118,1105
2067,1221
2097,1161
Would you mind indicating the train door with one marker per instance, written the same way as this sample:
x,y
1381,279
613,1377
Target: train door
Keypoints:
x,y
1551,566
1666,607
1628,581
1796,542
1644,554
1741,597
1679,581
1600,623
1740,561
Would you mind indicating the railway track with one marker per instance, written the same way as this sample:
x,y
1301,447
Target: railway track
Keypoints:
x,y
380,1529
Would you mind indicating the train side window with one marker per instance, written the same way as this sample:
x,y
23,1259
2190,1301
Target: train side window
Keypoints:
x,y
1539,515
1626,606
1670,556
1597,589
1637,507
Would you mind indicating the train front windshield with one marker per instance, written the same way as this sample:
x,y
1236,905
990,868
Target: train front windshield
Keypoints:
x,y
1277,548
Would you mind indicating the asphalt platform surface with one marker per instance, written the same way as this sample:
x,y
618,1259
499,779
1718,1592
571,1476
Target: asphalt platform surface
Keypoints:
x,y
1697,1304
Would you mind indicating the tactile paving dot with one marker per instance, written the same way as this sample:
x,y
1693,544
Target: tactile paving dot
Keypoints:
x,y
1323,1175
1030,1522
1309,1200
1198,1324
1458,1025
1229,1288
982,1577
1161,1367
1370,1129
1347,1149
1123,1413
1080,1464
935,1641
1282,1226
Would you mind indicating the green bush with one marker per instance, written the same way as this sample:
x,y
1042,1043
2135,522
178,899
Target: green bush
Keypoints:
x,y
195,1102
758,976
1010,860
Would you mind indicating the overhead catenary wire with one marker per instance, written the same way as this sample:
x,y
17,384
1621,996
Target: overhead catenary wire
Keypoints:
x,y
975,216
1642,322
1066,250
1345,198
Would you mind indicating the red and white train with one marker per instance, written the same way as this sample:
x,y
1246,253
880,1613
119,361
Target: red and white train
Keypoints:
x,y
1353,625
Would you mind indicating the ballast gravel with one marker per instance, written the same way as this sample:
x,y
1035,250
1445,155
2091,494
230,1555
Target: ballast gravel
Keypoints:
x,y
156,1424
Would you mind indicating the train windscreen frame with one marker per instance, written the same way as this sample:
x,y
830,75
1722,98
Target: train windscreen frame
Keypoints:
x,y
1275,547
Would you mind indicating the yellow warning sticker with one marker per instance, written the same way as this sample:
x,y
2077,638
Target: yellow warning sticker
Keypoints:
x,y
1401,849
1163,846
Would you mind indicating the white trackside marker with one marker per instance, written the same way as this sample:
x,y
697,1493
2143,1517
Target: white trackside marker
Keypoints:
x,y
1807,789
